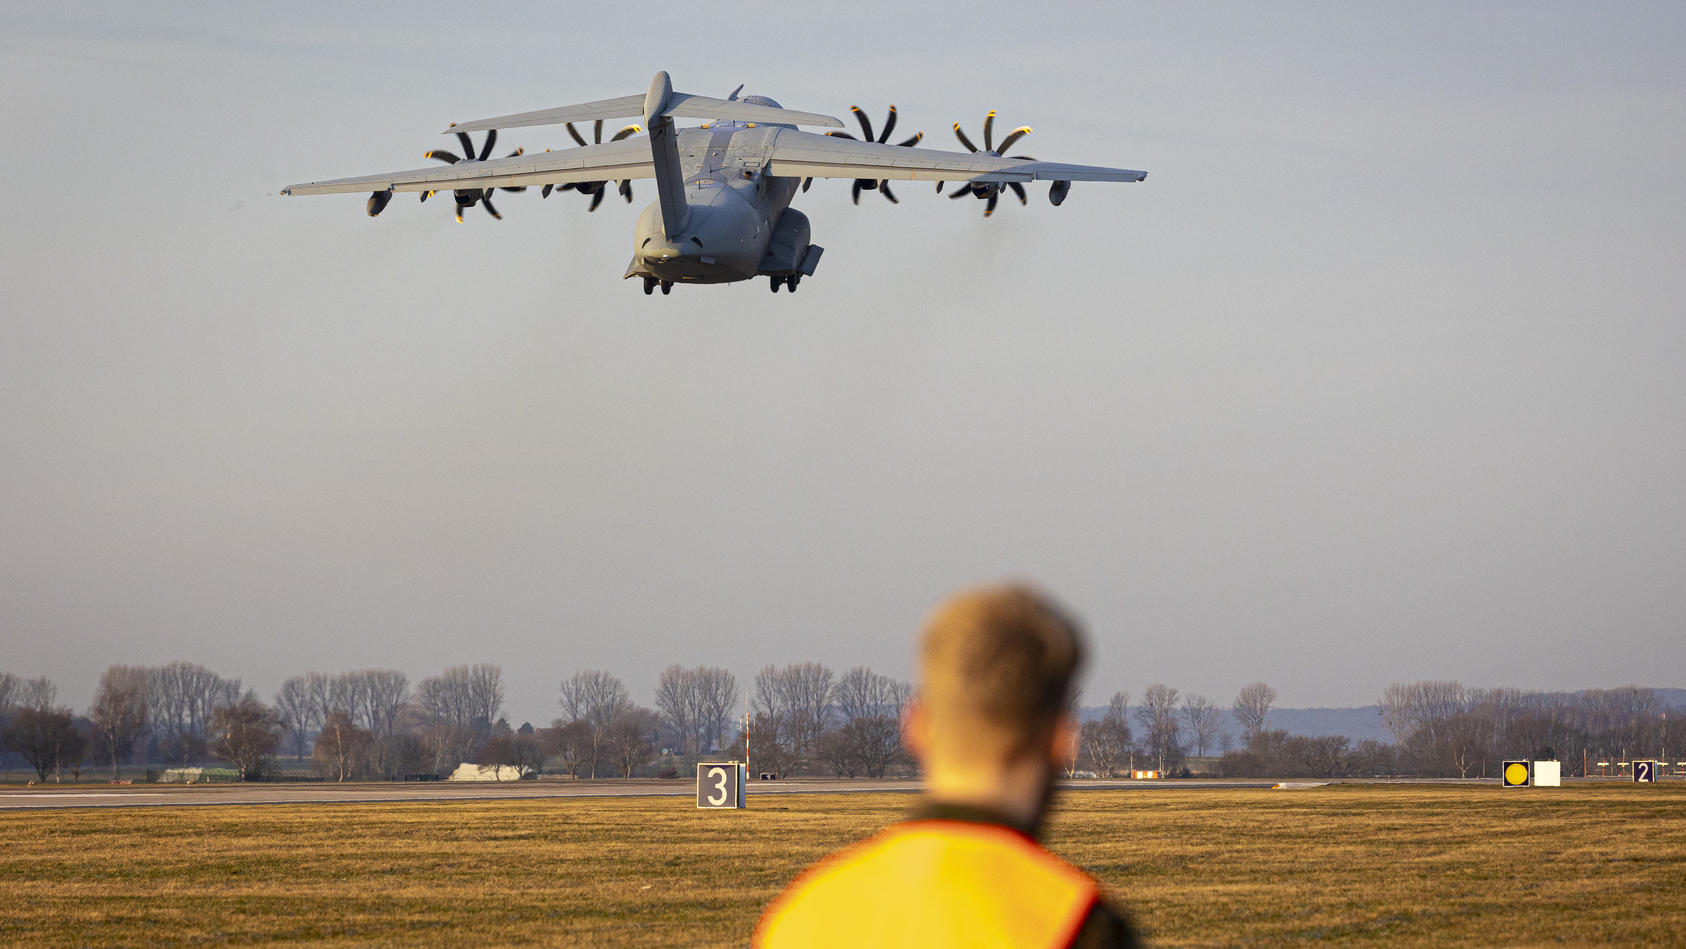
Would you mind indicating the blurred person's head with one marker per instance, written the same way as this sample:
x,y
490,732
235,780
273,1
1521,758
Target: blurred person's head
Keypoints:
x,y
991,722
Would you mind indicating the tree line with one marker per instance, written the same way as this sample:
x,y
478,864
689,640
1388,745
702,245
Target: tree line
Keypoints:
x,y
795,719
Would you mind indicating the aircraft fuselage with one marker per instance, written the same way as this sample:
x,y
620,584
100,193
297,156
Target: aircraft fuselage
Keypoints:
x,y
731,208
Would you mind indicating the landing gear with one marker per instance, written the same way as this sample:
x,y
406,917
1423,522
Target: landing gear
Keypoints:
x,y
667,287
650,285
776,281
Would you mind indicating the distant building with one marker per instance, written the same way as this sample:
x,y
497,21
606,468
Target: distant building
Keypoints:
x,y
489,772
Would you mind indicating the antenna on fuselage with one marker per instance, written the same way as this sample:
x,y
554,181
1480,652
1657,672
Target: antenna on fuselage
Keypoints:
x,y
734,96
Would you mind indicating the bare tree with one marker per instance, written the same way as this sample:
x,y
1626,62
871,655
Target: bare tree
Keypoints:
x,y
628,738
180,697
1103,744
869,740
46,737
715,699
38,693
299,715
385,694
119,711
797,699
676,701
246,734
1158,718
1252,705
596,698
1203,721
340,746
571,742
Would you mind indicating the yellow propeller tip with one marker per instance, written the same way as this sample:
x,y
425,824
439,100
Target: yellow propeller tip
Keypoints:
x,y
991,111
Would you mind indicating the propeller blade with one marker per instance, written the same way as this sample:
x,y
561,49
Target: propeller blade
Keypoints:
x,y
806,182
990,207
467,144
910,142
1012,137
440,154
1018,189
989,123
884,186
626,191
629,130
842,135
491,139
963,139
960,192
596,199
487,201
889,124
546,192
939,187
425,195
855,190
597,131
576,134
866,124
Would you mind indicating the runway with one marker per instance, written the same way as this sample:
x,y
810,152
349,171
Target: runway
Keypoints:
x,y
199,795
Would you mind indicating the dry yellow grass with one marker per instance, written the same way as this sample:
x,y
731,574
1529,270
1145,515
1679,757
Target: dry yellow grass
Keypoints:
x,y
1355,865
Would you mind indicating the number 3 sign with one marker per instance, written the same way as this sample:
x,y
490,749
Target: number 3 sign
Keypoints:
x,y
720,784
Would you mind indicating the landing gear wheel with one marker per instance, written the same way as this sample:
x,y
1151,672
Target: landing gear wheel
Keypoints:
x,y
774,281
792,281
649,285
667,287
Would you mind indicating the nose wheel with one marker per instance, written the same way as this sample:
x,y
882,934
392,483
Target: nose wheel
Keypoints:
x,y
650,284
777,281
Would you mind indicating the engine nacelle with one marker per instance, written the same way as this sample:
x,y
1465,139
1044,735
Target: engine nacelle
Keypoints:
x,y
1057,192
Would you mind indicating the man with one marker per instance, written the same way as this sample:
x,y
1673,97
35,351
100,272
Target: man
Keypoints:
x,y
991,725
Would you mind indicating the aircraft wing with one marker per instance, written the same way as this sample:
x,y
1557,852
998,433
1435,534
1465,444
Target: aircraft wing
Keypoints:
x,y
610,161
798,154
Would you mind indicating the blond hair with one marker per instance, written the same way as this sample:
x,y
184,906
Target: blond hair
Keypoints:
x,y
998,666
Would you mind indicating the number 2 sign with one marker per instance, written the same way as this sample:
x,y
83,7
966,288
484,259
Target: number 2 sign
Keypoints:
x,y
720,784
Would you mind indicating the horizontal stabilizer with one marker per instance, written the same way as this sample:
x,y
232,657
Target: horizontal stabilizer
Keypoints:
x,y
624,107
686,106
677,105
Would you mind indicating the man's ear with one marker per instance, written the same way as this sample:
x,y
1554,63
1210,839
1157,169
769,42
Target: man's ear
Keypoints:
x,y
915,727
1062,751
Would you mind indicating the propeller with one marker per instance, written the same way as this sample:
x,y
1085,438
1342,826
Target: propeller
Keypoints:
x,y
595,188
990,191
871,184
468,198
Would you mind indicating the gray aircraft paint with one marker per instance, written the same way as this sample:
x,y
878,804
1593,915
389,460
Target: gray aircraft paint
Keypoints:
x,y
722,212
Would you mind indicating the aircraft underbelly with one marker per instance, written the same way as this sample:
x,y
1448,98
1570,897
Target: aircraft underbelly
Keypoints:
x,y
724,238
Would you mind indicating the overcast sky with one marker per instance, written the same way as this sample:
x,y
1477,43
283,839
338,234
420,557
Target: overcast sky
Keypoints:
x,y
1377,377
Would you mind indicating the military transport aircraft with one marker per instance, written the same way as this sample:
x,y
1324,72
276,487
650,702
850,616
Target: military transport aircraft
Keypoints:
x,y
723,190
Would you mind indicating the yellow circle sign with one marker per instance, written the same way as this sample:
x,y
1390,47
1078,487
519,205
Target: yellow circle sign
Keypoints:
x,y
1516,774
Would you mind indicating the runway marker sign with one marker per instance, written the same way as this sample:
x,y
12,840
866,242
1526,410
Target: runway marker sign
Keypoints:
x,y
1644,772
1516,774
720,785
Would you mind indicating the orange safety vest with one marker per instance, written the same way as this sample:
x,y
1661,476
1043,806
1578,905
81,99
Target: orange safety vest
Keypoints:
x,y
934,883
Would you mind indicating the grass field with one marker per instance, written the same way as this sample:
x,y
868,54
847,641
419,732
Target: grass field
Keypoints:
x,y
1365,865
